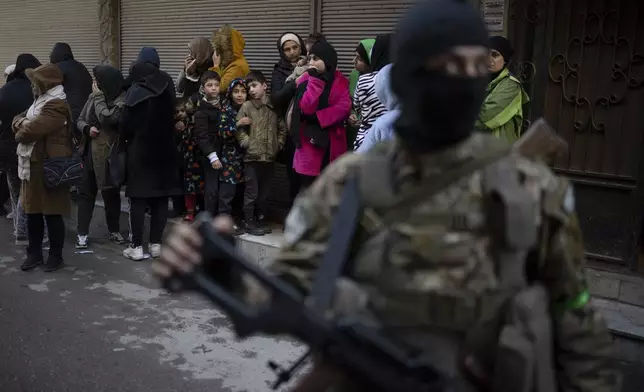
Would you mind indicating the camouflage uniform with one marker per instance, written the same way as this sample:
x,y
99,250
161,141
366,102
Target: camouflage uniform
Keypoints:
x,y
437,247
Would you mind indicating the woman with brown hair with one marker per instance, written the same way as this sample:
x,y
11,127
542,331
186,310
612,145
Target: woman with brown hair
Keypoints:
x,y
43,132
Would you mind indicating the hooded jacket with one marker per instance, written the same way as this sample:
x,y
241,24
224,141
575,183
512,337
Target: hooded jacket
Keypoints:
x,y
77,79
150,55
230,44
15,98
283,69
383,128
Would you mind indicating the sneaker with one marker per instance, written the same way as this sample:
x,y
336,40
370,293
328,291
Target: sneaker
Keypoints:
x,y
22,240
117,238
238,230
155,250
81,242
134,253
54,263
31,262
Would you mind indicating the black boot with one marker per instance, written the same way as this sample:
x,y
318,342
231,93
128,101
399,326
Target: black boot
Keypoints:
x,y
263,224
54,263
31,262
253,228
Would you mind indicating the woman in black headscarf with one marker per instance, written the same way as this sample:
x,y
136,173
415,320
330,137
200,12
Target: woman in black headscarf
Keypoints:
x,y
98,123
147,129
502,110
365,100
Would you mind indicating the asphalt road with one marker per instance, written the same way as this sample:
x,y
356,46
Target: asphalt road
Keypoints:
x,y
102,324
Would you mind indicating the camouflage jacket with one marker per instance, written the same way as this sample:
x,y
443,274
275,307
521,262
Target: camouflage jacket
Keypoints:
x,y
404,262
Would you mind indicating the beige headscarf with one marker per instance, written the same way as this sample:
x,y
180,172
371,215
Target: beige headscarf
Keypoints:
x,y
201,50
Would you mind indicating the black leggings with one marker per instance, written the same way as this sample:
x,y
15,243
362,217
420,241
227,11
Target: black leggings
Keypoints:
x,y
158,219
36,231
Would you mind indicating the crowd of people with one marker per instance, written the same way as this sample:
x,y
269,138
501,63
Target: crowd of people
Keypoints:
x,y
207,139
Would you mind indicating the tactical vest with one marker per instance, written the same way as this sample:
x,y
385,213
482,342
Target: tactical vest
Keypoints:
x,y
446,271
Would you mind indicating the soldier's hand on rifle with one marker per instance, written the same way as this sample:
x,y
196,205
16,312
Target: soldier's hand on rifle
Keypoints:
x,y
181,251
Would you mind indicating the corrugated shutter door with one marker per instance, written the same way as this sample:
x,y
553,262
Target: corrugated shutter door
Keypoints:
x,y
169,25
346,22
34,26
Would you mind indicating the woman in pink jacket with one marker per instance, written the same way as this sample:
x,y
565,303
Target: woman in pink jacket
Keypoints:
x,y
320,108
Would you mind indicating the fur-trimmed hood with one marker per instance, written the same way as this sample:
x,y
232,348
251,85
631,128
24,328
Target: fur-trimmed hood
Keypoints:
x,y
230,44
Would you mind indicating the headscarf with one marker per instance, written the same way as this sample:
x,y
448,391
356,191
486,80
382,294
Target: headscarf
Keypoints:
x,y
438,110
147,82
364,49
23,63
109,80
201,51
61,52
380,52
9,70
229,93
503,46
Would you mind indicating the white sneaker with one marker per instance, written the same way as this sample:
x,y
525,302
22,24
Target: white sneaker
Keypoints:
x,y
81,242
155,250
135,254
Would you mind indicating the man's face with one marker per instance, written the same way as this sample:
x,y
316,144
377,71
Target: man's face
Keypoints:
x,y
461,61
257,90
239,94
292,50
211,88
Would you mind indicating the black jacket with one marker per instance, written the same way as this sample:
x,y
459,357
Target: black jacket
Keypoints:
x,y
147,128
281,71
15,98
77,80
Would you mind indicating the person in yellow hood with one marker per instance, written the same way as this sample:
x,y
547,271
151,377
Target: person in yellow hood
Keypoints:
x,y
229,61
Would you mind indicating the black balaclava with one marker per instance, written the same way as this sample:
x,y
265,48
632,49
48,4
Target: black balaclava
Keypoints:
x,y
380,53
438,110
503,46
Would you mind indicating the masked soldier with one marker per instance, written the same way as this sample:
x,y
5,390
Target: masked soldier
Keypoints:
x,y
464,250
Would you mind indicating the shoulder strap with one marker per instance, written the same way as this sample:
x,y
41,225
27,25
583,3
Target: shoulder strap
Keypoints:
x,y
343,230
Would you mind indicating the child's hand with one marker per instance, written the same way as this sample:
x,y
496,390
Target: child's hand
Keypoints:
x,y
354,121
180,126
217,165
93,132
244,121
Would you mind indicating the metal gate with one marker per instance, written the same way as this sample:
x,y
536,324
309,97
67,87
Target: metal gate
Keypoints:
x,y
582,62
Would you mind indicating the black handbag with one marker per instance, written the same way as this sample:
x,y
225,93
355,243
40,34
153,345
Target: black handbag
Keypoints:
x,y
64,171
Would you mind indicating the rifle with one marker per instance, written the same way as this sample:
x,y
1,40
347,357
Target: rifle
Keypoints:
x,y
348,343
540,141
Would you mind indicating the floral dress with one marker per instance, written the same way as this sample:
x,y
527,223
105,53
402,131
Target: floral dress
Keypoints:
x,y
232,156
193,173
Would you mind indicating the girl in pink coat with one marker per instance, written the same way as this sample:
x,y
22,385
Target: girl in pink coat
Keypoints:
x,y
320,108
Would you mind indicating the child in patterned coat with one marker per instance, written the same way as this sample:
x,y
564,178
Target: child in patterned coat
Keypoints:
x,y
215,132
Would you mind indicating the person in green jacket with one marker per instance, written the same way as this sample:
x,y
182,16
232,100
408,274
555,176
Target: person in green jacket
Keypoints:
x,y
502,109
362,65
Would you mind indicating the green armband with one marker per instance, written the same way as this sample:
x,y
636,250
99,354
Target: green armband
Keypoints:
x,y
573,303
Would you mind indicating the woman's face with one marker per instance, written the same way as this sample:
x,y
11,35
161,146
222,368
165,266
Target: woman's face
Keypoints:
x,y
318,63
292,50
239,95
360,65
496,62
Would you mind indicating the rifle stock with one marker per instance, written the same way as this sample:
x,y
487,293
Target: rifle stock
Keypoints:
x,y
348,344
540,141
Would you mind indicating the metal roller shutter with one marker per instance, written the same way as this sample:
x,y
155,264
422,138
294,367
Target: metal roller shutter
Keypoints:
x,y
169,25
34,26
346,22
